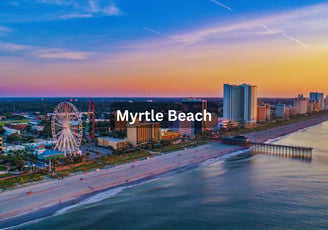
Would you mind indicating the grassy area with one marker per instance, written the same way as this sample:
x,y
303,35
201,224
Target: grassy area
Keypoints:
x,y
85,167
16,121
181,146
13,182
123,158
6,175
3,168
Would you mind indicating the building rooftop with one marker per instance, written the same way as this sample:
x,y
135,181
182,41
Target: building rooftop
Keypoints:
x,y
112,139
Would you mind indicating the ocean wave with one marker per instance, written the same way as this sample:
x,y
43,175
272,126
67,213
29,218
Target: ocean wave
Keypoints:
x,y
100,197
25,223
224,157
273,140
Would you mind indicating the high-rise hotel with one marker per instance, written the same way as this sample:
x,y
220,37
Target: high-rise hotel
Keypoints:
x,y
240,103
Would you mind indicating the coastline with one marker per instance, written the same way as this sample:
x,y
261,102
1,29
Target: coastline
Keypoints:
x,y
120,176
277,133
14,212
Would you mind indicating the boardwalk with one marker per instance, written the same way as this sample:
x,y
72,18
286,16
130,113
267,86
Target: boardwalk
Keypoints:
x,y
282,150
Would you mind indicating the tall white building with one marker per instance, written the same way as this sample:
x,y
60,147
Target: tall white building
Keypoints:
x,y
301,104
240,103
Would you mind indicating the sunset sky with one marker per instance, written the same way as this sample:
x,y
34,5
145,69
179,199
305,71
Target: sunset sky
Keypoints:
x,y
162,48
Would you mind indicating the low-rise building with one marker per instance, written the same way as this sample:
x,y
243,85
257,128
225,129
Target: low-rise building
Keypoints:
x,y
13,148
17,125
170,135
45,154
115,143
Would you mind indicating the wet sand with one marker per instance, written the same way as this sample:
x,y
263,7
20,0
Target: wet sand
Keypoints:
x,y
47,197
265,135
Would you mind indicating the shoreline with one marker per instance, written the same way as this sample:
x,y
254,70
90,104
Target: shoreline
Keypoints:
x,y
175,162
277,133
17,216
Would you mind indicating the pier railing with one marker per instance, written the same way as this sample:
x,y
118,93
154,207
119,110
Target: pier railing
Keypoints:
x,y
282,150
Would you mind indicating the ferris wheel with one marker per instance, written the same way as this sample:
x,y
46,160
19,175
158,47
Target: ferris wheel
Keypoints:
x,y
67,130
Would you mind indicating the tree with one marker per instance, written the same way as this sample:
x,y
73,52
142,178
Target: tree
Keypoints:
x,y
78,159
68,160
88,154
12,138
2,130
28,128
166,142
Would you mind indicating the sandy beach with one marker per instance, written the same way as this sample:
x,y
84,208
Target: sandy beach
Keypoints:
x,y
47,197
70,190
263,136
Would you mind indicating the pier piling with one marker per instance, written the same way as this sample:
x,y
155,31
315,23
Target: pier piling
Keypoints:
x,y
282,150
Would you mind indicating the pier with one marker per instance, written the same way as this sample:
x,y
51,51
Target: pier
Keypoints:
x,y
282,150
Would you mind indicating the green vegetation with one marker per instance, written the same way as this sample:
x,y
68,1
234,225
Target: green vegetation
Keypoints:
x,y
63,174
123,158
3,168
13,182
2,123
182,145
85,167
6,175
12,139
14,161
2,130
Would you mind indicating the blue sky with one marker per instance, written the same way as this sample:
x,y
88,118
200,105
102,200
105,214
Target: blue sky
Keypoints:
x,y
104,37
92,25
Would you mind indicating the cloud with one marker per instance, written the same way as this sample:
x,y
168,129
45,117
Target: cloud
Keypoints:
x,y
4,30
70,9
12,47
287,20
74,15
41,52
62,54
152,31
283,34
221,4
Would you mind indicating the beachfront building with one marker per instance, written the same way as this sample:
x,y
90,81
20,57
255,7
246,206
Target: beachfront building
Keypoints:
x,y
240,103
184,127
326,103
318,98
115,143
261,113
209,125
301,104
195,105
280,111
268,112
143,133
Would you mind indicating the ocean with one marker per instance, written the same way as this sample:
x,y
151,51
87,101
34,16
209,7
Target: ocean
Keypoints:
x,y
237,192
